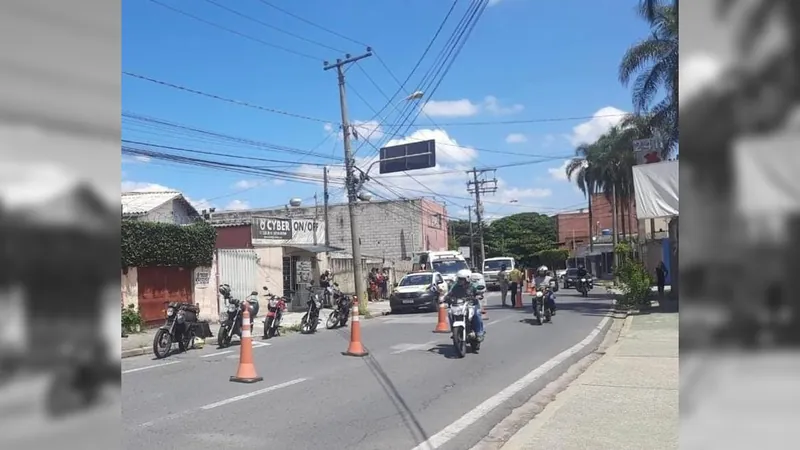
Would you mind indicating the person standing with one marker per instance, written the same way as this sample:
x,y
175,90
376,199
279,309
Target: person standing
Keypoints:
x,y
661,278
515,282
502,282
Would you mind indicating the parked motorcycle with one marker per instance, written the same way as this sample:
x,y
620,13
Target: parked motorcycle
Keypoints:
x,y
310,320
230,320
540,311
180,326
341,312
275,308
461,313
84,370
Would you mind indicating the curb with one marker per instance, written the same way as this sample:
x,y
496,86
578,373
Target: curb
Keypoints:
x,y
210,341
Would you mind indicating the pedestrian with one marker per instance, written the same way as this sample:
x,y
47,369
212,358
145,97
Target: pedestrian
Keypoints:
x,y
515,282
502,282
381,285
661,278
372,291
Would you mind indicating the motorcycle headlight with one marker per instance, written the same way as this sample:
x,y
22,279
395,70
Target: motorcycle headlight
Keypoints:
x,y
273,303
458,310
170,312
223,317
583,280
539,294
231,308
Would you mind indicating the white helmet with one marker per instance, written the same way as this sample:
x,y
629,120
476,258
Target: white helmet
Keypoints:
x,y
464,273
542,269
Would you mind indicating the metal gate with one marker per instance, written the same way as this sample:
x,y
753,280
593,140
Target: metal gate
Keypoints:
x,y
238,268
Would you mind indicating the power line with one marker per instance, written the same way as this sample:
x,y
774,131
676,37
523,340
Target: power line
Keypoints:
x,y
224,99
320,27
273,27
526,121
238,33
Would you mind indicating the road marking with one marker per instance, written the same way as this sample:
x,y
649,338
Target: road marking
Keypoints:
x,y
252,394
410,347
222,403
154,366
216,354
497,321
261,344
468,419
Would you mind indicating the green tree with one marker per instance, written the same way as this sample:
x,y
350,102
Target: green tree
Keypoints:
x,y
521,236
553,257
652,66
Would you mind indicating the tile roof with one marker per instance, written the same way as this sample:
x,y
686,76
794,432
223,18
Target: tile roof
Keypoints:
x,y
136,203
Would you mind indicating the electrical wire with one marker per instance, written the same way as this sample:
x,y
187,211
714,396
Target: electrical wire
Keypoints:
x,y
304,20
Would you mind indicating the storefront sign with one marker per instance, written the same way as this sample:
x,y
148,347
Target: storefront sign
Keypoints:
x,y
202,275
271,231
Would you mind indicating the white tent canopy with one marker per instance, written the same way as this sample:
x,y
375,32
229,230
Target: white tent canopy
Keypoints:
x,y
656,187
766,171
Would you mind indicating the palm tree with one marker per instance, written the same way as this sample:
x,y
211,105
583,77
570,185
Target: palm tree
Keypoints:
x,y
581,169
652,66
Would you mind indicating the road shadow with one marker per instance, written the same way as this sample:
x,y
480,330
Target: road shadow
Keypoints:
x,y
445,350
532,321
587,308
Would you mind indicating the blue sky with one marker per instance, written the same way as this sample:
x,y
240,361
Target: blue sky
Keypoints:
x,y
525,60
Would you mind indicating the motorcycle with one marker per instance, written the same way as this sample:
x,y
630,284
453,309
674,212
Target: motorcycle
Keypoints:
x,y
540,310
81,377
275,309
328,294
461,313
583,287
341,313
180,327
310,320
230,320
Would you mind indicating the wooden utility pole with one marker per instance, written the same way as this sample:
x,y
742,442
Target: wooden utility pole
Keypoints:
x,y
325,197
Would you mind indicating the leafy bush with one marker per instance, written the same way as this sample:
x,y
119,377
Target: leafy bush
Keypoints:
x,y
635,283
162,244
131,319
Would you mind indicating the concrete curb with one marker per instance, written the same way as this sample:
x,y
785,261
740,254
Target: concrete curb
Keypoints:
x,y
571,369
139,351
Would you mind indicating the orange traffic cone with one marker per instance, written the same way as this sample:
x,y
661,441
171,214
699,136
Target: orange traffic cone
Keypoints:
x,y
518,299
247,371
355,348
442,326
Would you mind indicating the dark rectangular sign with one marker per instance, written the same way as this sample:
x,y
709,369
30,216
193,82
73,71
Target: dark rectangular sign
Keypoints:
x,y
271,228
405,157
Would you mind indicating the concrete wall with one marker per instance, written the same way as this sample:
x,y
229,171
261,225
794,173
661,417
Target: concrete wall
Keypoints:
x,y
205,295
173,211
129,285
434,225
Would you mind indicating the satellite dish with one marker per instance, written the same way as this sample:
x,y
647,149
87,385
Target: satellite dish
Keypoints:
x,y
295,202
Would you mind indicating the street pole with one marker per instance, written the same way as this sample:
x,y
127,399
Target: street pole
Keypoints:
x,y
325,205
614,224
471,237
350,179
478,214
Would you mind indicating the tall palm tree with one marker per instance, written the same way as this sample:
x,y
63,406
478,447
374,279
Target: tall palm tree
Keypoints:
x,y
649,8
652,65
582,170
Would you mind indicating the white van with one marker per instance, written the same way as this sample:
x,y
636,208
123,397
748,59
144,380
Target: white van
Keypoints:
x,y
491,267
447,263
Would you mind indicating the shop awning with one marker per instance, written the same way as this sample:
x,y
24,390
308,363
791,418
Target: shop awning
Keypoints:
x,y
314,248
656,187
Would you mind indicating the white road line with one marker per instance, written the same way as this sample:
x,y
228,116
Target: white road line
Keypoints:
x,y
411,347
468,419
222,402
261,344
252,394
216,354
139,369
492,322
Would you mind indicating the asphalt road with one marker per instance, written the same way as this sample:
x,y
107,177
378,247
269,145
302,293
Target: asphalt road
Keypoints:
x,y
409,389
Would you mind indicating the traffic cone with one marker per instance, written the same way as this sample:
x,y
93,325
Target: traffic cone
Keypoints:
x,y
442,326
355,348
518,299
247,371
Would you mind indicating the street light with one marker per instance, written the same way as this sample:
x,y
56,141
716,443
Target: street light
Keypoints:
x,y
415,96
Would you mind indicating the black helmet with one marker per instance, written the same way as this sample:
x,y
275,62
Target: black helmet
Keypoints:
x,y
225,290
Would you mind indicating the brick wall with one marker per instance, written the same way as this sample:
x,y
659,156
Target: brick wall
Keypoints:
x,y
578,222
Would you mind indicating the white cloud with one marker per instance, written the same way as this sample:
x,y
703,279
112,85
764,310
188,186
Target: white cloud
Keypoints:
x,y
559,173
450,108
142,158
698,71
247,184
25,183
370,129
588,132
278,181
328,127
516,138
492,104
237,205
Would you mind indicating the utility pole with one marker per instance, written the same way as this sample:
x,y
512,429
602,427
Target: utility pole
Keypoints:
x,y
325,205
471,237
351,182
477,187
614,224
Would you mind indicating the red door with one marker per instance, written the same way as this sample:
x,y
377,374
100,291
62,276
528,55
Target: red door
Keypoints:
x,y
159,285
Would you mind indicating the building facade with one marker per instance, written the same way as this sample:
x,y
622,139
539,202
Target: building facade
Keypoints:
x,y
162,206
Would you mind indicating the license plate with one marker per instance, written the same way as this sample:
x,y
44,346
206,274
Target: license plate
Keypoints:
x,y
408,302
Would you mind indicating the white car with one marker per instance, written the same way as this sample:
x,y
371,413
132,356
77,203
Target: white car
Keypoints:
x,y
418,291
478,279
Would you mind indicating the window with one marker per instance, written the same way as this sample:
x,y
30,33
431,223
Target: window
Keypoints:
x,y
439,279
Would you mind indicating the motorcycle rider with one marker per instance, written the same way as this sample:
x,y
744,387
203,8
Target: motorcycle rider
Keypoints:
x,y
462,288
541,280
325,282
582,273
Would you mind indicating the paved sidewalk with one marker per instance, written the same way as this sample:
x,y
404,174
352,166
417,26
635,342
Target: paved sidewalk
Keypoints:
x,y
141,343
628,399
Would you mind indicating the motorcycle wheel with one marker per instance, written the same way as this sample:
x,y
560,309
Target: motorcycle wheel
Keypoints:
x,y
224,338
314,322
458,343
63,398
268,331
187,343
305,326
162,344
333,320
476,346
538,314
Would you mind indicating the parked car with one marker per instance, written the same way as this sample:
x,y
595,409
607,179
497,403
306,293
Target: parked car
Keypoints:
x,y
571,279
418,291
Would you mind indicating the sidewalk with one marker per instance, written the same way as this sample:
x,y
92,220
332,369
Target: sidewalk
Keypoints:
x,y
628,399
142,343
